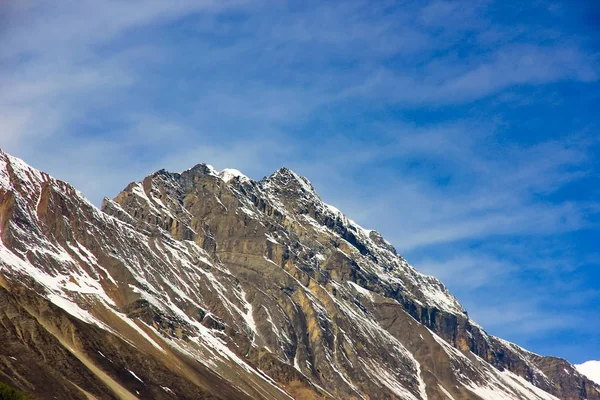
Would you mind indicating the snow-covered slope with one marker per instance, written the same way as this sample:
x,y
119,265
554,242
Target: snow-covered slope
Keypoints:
x,y
591,369
205,284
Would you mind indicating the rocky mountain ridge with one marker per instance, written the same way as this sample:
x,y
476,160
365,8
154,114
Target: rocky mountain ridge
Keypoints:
x,y
206,284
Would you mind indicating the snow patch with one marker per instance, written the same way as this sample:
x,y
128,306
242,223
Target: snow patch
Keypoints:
x,y
445,392
365,292
248,314
166,389
135,376
591,369
229,173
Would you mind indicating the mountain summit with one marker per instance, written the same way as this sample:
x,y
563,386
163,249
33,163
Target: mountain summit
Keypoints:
x,y
207,284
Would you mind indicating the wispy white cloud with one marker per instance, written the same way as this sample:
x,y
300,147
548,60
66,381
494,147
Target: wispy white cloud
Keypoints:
x,y
69,27
467,270
523,319
484,195
450,80
102,93
317,58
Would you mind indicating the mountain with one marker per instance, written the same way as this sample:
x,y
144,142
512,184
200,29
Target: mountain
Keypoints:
x,y
210,285
591,369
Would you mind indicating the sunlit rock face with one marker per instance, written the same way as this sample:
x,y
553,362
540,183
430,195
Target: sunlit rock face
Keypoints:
x,y
207,284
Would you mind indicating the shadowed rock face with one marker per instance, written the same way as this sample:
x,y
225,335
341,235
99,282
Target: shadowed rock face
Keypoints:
x,y
211,285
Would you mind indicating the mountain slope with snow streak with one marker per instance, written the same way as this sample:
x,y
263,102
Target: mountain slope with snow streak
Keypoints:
x,y
212,285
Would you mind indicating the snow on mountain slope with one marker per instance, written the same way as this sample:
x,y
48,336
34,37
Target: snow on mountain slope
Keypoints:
x,y
243,289
591,369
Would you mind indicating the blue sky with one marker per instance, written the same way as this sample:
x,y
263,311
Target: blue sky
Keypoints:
x,y
465,131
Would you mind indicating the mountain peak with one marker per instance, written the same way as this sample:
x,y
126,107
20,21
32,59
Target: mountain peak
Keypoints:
x,y
230,173
17,174
202,169
286,179
276,293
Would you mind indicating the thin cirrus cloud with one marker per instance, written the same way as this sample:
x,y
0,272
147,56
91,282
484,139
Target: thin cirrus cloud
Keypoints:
x,y
489,195
433,122
461,81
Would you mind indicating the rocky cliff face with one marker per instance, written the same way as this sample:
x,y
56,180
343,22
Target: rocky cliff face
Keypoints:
x,y
212,285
